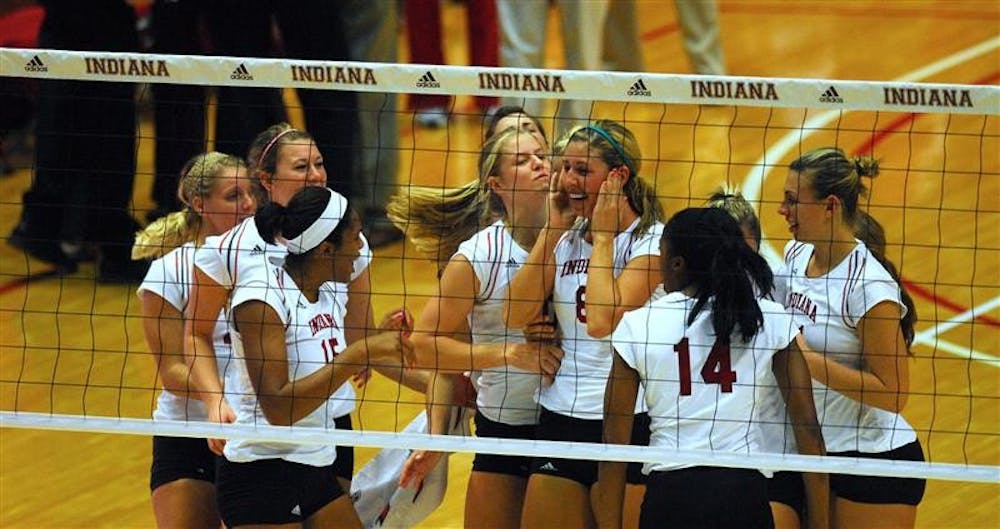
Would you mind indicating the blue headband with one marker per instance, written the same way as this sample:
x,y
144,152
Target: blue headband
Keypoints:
x,y
614,144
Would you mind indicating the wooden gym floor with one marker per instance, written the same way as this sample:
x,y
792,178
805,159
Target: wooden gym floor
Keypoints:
x,y
63,340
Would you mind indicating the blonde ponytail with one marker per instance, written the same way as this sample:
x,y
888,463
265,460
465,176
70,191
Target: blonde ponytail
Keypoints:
x,y
438,220
165,234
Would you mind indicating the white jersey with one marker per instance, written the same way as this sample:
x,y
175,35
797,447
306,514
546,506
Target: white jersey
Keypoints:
x,y
828,309
504,394
170,278
777,435
314,335
237,256
701,394
578,389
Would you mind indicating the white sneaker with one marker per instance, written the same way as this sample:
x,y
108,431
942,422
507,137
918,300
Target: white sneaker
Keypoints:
x,y
432,118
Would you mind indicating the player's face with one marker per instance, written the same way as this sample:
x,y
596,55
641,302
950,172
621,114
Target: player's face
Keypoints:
x,y
299,165
804,213
583,172
520,121
348,251
523,173
671,268
230,201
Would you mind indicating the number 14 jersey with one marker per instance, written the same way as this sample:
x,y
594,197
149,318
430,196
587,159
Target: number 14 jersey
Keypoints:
x,y
701,393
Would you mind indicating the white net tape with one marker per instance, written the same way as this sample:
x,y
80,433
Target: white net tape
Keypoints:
x,y
481,81
443,443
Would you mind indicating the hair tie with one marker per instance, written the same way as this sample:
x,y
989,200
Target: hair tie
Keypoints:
x,y
322,227
614,144
270,144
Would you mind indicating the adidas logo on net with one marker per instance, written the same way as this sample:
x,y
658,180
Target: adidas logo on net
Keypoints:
x,y
35,65
638,88
831,96
428,81
241,73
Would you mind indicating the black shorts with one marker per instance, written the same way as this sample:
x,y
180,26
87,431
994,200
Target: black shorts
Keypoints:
x,y
706,497
273,491
557,427
510,465
877,489
343,466
789,489
177,458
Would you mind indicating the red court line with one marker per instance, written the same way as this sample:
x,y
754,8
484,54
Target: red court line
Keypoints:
x,y
11,286
658,32
866,148
946,303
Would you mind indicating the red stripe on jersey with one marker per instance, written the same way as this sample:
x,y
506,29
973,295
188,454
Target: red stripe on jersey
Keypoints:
x,y
236,260
496,264
794,252
855,271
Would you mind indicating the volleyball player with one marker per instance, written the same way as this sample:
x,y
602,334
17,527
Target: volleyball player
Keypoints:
x,y
292,357
786,490
596,260
462,328
733,202
703,354
283,160
217,195
791,507
858,324
509,116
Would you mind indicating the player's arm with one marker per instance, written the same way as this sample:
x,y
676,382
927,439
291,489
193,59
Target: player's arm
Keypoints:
x,y
608,298
792,373
441,332
206,301
619,409
440,400
283,401
359,318
359,322
533,283
163,326
885,381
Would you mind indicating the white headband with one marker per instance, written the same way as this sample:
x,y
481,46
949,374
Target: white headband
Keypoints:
x,y
322,228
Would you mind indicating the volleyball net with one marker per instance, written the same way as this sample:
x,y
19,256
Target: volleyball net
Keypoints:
x,y
74,357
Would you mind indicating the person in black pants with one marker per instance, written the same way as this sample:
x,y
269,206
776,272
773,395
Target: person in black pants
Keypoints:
x,y
314,30
178,110
242,28
310,30
85,150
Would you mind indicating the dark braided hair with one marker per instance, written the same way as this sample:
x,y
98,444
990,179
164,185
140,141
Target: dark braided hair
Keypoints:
x,y
722,267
